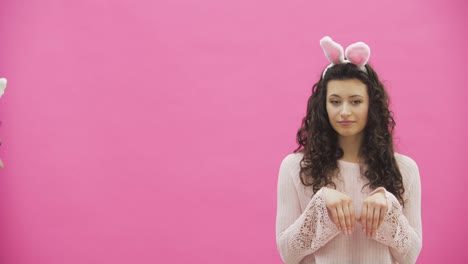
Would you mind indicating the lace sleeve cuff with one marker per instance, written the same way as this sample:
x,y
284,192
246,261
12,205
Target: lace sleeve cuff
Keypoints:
x,y
394,231
317,228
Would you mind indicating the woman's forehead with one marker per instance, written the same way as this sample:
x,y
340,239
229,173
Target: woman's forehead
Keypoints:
x,y
346,88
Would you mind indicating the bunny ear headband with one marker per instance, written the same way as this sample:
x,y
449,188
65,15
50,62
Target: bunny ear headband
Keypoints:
x,y
3,83
357,53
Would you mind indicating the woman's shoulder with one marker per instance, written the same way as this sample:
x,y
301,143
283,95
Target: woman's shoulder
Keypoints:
x,y
291,167
405,162
291,164
293,157
292,160
408,168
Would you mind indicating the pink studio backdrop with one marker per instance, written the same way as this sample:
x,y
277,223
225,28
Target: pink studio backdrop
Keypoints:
x,y
152,131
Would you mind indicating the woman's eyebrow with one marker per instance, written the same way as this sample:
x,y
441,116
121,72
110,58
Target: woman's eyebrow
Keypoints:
x,y
355,95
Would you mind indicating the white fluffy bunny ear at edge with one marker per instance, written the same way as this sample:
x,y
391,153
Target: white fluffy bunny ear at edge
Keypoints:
x,y
358,54
3,83
332,50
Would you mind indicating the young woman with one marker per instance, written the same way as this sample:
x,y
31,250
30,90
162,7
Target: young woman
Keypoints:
x,y
344,195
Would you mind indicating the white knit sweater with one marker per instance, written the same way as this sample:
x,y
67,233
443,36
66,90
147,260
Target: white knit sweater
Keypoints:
x,y
306,234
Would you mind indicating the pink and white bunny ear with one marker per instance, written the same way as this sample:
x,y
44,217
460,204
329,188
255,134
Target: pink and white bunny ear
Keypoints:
x,y
358,54
332,50
3,83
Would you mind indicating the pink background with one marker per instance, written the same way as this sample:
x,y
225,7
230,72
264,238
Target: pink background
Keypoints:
x,y
152,131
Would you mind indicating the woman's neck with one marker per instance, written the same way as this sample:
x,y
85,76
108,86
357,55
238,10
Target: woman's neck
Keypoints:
x,y
351,147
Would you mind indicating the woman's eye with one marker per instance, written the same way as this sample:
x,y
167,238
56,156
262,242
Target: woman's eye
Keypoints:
x,y
334,102
357,102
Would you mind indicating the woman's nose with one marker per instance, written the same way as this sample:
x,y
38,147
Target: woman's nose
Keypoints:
x,y
345,110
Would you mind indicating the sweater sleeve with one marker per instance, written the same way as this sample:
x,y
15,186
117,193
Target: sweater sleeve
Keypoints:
x,y
299,234
402,229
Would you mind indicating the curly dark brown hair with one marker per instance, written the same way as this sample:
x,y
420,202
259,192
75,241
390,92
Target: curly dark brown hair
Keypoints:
x,y
318,141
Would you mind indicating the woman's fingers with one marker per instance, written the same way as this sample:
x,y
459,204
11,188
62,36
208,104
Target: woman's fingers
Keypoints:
x,y
347,215
352,215
334,216
370,217
341,218
375,221
374,209
364,218
338,205
383,211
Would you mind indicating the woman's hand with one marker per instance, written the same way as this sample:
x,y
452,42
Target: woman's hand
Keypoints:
x,y
340,209
373,211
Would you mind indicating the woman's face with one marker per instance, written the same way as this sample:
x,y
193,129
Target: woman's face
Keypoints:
x,y
347,107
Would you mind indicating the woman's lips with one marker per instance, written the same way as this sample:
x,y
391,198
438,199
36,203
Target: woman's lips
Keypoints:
x,y
346,123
